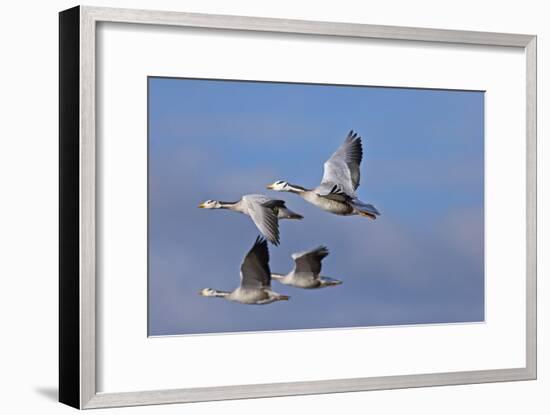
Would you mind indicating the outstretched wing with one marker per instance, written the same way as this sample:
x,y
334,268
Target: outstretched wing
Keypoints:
x,y
255,271
309,262
342,170
264,215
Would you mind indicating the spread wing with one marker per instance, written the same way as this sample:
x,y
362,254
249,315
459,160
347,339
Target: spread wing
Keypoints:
x,y
255,271
309,262
342,170
264,216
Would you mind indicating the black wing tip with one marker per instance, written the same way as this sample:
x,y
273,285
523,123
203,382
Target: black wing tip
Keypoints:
x,y
273,240
353,136
260,240
260,247
322,251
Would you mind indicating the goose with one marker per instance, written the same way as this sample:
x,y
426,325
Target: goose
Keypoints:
x,y
264,212
307,269
255,285
336,193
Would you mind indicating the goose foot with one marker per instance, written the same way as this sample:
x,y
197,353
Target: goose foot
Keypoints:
x,y
368,215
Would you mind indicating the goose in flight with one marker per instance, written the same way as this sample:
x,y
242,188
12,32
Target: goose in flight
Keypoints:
x,y
307,269
255,285
336,193
264,212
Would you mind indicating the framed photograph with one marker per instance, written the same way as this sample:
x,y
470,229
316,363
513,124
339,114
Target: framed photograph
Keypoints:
x,y
254,207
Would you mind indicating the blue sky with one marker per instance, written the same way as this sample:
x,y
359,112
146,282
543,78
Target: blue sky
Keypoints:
x,y
420,262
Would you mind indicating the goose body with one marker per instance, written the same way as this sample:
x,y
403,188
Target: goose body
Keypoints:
x,y
331,205
307,270
255,287
264,212
341,177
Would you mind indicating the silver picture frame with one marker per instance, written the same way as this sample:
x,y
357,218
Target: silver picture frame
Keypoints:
x,y
77,277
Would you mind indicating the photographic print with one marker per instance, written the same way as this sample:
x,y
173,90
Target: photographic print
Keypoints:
x,y
294,206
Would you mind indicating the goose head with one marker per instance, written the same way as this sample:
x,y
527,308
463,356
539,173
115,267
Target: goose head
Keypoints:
x,y
279,186
211,204
207,292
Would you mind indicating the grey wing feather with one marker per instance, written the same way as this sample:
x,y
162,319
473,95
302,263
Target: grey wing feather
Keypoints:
x,y
264,217
310,261
255,271
342,168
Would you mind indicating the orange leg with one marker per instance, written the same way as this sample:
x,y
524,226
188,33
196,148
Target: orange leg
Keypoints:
x,y
368,215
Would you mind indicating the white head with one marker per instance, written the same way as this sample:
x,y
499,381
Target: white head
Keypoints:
x,y
211,204
207,292
279,186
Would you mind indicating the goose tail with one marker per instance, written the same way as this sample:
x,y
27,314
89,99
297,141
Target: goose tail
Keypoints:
x,y
285,213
